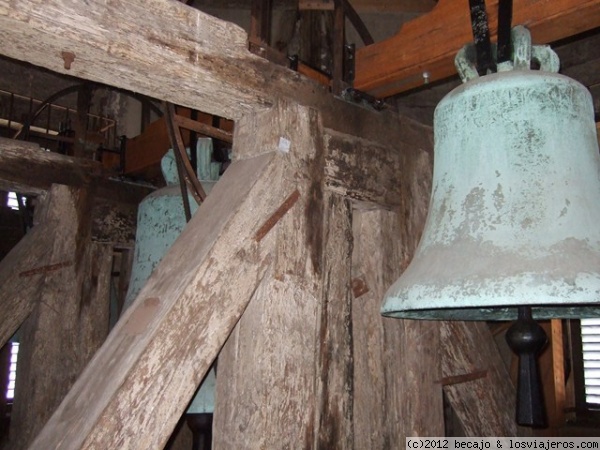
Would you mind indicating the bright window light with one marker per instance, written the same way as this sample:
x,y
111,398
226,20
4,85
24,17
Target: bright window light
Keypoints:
x,y
590,339
12,201
12,371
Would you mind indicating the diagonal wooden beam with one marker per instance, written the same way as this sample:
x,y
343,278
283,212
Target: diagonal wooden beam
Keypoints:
x,y
469,348
429,43
140,381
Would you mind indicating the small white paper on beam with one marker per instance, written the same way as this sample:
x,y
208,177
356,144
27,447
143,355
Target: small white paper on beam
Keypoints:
x,y
284,145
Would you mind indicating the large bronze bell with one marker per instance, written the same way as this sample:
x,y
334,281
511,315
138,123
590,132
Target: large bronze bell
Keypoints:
x,y
514,217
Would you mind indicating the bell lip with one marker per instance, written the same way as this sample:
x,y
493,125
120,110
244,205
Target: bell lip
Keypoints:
x,y
539,312
496,298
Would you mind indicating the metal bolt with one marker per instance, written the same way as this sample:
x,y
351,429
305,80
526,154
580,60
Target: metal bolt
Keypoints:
x,y
426,76
68,58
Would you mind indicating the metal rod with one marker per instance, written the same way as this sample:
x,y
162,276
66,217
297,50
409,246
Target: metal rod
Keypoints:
x,y
481,36
176,143
505,8
527,338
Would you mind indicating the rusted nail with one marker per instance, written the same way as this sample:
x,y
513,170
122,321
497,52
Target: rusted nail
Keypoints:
x,y
457,379
359,286
277,215
44,269
68,58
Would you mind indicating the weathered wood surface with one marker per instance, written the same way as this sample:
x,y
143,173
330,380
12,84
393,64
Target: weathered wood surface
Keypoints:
x,y
366,171
205,65
138,384
270,392
67,325
26,168
485,406
43,252
203,62
367,154
396,6
430,42
335,349
396,362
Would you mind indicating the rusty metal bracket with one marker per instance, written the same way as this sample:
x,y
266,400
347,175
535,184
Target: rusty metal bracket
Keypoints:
x,y
349,63
362,98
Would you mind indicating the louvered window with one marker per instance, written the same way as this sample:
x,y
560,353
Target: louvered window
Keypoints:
x,y
590,340
12,372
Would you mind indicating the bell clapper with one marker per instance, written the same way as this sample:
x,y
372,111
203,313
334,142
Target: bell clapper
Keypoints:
x,y
527,338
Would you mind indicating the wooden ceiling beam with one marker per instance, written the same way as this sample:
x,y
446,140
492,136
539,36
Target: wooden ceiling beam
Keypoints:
x,y
429,43
395,6
159,48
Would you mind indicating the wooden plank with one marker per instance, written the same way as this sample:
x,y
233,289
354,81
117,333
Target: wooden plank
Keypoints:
x,y
366,151
160,48
558,372
395,6
397,363
270,391
202,128
551,367
351,158
335,388
485,406
66,327
260,21
26,168
430,42
42,252
163,345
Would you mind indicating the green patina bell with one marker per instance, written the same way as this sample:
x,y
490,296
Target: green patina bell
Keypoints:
x,y
514,215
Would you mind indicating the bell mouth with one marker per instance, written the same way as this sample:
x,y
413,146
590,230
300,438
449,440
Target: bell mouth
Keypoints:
x,y
588,310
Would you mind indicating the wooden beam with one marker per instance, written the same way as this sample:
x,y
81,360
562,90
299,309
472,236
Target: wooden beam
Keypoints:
x,y
160,48
396,362
207,130
163,345
395,6
26,168
430,42
67,325
469,347
335,346
285,374
35,257
230,85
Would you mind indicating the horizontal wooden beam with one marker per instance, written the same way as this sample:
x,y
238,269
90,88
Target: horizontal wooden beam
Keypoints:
x,y
27,169
395,6
160,48
202,128
429,43
205,65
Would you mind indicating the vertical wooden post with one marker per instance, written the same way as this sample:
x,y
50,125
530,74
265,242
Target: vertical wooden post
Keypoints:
x,y
396,362
84,99
69,320
335,345
285,375
260,21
